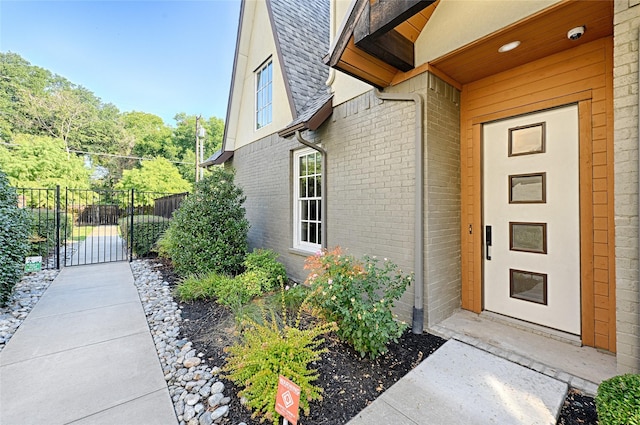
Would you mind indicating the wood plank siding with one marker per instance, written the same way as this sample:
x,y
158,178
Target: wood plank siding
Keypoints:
x,y
581,75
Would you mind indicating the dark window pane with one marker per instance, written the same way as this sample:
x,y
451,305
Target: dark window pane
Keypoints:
x,y
319,209
304,233
305,210
311,187
312,210
312,164
313,237
303,188
303,166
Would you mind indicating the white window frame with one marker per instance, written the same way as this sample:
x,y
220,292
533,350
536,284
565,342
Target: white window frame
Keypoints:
x,y
265,90
298,200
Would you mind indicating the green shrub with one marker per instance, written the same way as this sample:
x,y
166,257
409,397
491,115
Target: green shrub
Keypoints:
x,y
618,400
265,262
240,290
208,233
268,350
43,230
359,296
147,229
201,287
15,229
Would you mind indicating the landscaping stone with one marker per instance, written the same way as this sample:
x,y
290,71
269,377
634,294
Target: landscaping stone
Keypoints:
x,y
25,295
192,384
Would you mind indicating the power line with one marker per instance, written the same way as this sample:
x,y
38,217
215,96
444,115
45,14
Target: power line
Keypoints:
x,y
108,154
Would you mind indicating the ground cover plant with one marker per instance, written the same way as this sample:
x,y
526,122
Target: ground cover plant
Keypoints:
x,y
618,400
359,295
262,273
272,348
208,233
15,230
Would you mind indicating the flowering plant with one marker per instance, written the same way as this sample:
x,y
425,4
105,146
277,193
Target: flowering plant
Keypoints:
x,y
359,296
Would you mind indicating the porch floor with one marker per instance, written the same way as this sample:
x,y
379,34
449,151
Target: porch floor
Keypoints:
x,y
580,367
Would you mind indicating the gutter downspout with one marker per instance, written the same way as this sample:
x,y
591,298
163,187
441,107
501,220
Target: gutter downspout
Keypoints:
x,y
323,196
418,302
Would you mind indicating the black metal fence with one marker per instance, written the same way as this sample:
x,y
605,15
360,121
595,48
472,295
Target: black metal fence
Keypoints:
x,y
75,226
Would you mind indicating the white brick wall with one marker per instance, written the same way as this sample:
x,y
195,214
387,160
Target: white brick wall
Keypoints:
x,y
625,87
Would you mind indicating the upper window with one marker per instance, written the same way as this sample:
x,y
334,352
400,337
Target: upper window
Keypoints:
x,y
264,94
307,210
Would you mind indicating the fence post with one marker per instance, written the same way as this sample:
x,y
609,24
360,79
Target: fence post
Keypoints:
x,y
131,229
57,219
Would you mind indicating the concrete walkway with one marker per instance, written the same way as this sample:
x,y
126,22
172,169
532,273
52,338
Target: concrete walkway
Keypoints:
x,y
103,245
85,355
461,384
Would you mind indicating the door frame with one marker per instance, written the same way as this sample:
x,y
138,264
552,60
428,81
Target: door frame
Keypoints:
x,y
586,215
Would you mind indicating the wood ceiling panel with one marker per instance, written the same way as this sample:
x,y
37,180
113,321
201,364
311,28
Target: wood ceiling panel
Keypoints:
x,y
542,35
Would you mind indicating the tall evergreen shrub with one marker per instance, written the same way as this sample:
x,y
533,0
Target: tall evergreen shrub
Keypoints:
x,y
208,233
15,225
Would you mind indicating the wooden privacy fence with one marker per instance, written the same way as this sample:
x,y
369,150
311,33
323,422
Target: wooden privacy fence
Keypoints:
x,y
166,205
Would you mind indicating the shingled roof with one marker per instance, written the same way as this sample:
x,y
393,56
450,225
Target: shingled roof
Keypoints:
x,y
301,28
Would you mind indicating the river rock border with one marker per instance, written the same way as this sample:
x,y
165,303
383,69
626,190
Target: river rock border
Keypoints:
x,y
197,393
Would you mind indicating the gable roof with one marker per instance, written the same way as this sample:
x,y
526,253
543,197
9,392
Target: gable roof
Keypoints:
x,y
301,32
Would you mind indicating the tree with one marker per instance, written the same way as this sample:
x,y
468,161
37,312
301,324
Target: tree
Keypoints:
x,y
154,177
17,77
151,136
40,161
60,113
184,135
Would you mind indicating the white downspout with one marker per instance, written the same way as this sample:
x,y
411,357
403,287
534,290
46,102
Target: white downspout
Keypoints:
x,y
418,251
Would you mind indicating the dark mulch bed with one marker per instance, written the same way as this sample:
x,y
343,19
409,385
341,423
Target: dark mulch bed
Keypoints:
x,y
350,383
578,409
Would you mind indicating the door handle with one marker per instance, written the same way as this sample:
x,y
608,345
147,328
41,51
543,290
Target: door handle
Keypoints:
x,y
487,239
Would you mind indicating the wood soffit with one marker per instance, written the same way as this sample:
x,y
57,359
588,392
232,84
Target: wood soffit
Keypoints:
x,y
541,34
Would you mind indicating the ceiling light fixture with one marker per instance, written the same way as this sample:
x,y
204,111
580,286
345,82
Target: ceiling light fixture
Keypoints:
x,y
509,46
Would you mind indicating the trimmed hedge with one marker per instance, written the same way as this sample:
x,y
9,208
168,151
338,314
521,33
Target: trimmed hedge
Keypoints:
x,y
43,230
618,400
15,226
147,229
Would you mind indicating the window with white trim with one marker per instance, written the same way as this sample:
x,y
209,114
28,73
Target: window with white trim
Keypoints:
x,y
264,79
307,191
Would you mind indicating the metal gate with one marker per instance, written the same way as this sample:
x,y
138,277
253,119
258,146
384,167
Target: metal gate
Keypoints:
x,y
76,227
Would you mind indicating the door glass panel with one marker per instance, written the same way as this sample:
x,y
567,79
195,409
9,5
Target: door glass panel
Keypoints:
x,y
528,237
528,286
528,188
526,140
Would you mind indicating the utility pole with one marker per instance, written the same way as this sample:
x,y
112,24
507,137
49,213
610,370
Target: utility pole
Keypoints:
x,y
200,133
197,148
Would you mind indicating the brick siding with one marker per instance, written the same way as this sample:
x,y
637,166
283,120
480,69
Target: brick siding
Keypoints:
x,y
625,87
370,189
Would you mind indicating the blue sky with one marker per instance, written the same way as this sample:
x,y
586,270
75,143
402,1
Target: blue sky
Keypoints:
x,y
161,57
